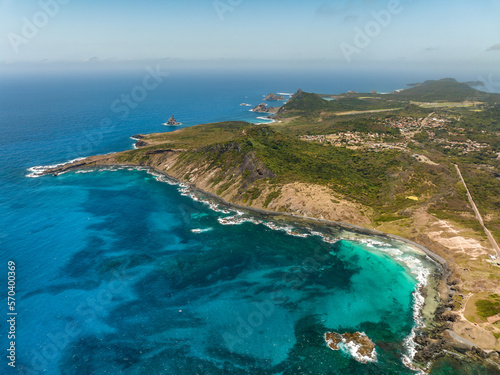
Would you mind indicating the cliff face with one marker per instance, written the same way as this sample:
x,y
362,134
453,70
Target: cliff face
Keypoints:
x,y
234,170
262,108
259,167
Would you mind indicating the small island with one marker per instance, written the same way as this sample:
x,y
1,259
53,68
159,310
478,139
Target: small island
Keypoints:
x,y
358,344
273,97
172,122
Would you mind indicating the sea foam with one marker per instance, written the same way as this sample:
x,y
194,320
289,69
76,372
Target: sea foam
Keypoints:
x,y
39,170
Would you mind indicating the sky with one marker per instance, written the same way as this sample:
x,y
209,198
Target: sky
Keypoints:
x,y
400,32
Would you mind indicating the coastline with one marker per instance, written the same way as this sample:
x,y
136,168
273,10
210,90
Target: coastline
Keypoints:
x,y
433,340
351,227
440,281
426,333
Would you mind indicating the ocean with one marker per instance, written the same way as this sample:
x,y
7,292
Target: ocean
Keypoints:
x,y
121,271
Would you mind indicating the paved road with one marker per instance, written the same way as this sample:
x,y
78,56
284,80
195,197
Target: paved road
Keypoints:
x,y
461,340
369,111
478,215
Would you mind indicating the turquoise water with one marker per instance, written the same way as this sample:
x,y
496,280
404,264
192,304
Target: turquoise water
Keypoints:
x,y
149,295
119,273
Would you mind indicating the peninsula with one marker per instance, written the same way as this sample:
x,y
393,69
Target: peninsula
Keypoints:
x,y
420,163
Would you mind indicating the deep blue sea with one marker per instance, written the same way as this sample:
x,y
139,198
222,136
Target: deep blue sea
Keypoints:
x,y
121,272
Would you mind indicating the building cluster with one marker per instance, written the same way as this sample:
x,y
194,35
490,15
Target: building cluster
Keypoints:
x,y
313,138
434,122
354,140
409,127
403,123
409,124
465,147
431,124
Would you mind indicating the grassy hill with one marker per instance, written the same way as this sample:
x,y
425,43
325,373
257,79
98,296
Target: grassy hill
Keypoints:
x,y
381,180
310,105
447,89
408,186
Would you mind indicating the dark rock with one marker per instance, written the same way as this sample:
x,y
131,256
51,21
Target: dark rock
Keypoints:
x,y
172,122
298,95
262,108
159,151
141,143
456,288
478,352
430,349
273,97
256,170
365,347
450,316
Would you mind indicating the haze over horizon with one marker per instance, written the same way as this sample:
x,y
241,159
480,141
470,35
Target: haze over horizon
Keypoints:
x,y
356,33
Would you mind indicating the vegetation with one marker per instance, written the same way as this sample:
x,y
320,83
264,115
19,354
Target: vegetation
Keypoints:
x,y
198,136
488,307
382,179
271,197
446,90
311,105
487,120
403,165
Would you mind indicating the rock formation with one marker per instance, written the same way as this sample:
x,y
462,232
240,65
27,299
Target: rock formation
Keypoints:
x,y
262,108
273,97
172,122
358,344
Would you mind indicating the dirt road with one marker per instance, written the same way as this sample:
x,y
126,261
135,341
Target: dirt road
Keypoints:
x,y
478,216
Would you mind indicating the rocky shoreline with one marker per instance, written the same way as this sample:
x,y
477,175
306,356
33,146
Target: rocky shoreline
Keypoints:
x,y
435,340
274,97
263,108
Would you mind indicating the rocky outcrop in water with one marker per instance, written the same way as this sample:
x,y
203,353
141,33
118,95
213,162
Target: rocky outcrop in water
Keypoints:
x,y
273,97
358,344
172,122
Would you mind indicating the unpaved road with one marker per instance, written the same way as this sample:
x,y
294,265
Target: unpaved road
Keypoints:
x,y
478,215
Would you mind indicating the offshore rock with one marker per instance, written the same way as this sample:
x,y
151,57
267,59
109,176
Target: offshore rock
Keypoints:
x,y
273,97
358,344
172,122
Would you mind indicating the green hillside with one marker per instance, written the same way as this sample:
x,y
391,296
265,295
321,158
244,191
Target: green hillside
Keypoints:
x,y
447,89
308,104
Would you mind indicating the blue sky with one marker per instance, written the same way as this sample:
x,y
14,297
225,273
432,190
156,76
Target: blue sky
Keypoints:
x,y
418,31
